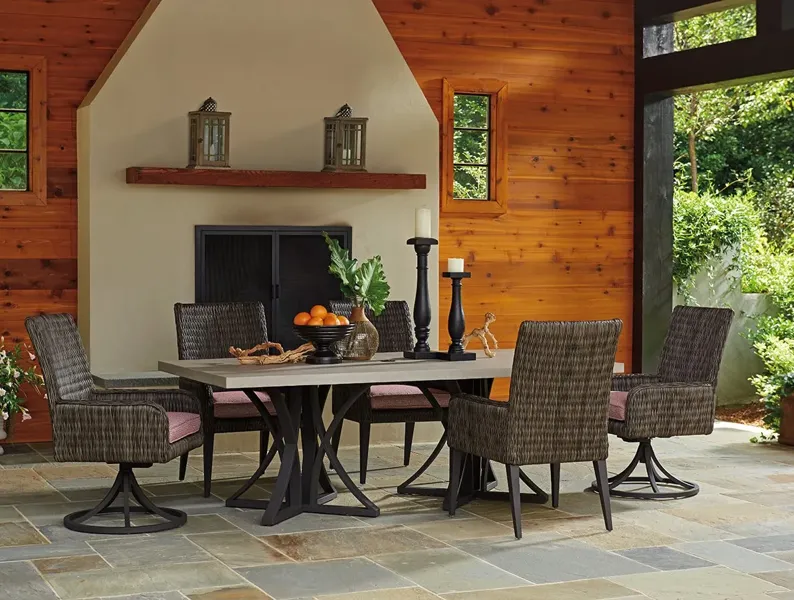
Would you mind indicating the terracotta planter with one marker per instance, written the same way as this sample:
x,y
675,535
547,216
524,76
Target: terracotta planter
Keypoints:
x,y
786,435
362,343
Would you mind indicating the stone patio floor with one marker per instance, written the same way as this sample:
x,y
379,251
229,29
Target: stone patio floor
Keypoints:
x,y
734,540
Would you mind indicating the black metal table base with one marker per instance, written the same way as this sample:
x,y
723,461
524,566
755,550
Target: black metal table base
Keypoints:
x,y
302,484
478,480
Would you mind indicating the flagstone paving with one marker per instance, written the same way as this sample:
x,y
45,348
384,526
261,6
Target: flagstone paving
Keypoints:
x,y
735,540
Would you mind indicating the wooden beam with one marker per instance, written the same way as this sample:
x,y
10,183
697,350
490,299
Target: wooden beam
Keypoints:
x,y
653,211
773,16
657,12
759,58
280,179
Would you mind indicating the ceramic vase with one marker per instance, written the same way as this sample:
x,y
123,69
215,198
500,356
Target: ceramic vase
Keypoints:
x,y
362,343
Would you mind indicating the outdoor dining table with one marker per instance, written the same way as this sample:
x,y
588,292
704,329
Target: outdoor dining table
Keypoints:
x,y
298,392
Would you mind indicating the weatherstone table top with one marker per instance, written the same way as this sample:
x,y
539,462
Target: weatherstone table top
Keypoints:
x,y
142,379
384,367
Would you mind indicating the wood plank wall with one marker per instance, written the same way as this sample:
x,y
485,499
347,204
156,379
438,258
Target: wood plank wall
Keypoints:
x,y
564,248
38,244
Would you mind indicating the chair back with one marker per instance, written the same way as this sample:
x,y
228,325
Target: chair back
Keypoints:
x,y
692,350
62,357
205,331
559,390
394,324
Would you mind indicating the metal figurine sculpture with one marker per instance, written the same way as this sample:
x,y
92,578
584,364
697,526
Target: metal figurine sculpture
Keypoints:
x,y
484,334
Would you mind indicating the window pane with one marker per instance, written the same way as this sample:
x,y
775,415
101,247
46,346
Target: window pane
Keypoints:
x,y
472,111
471,147
13,90
471,183
13,171
13,131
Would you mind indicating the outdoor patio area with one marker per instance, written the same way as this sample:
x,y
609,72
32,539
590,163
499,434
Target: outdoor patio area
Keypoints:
x,y
733,540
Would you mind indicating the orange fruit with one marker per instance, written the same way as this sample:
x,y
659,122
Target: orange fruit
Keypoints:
x,y
315,322
331,320
343,321
319,311
301,318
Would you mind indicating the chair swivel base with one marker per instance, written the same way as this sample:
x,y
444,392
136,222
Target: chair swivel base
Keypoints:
x,y
128,488
664,486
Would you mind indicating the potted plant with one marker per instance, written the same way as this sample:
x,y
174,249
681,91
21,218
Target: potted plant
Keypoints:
x,y
366,287
12,376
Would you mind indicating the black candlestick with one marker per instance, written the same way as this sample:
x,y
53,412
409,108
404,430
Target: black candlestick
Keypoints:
x,y
457,321
422,302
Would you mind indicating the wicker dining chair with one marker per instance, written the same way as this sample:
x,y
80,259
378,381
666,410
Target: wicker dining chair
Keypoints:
x,y
206,331
679,399
131,428
388,403
556,412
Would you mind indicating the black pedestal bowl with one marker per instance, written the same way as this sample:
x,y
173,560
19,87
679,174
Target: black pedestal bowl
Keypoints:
x,y
323,337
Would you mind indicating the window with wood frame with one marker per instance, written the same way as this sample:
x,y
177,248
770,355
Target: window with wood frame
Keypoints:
x,y
473,147
23,127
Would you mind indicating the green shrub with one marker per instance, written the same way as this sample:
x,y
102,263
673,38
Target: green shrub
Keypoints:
x,y
705,226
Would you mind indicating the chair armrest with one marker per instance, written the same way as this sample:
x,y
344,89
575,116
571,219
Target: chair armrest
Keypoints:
x,y
623,383
478,400
113,427
171,400
478,426
670,409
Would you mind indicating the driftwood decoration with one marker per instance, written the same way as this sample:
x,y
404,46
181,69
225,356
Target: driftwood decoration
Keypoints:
x,y
290,356
484,334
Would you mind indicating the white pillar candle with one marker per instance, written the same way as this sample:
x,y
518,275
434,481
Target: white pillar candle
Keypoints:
x,y
455,265
422,229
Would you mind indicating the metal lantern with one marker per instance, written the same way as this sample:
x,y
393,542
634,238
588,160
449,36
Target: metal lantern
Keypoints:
x,y
345,142
209,136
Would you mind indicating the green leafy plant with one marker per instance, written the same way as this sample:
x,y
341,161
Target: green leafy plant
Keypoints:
x,y
12,376
363,284
705,226
773,390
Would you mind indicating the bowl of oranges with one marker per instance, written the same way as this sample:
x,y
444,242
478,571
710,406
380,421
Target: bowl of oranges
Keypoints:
x,y
321,328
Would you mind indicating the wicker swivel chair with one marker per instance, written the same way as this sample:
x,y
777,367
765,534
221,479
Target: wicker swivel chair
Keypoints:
x,y
206,331
131,428
387,403
678,400
557,411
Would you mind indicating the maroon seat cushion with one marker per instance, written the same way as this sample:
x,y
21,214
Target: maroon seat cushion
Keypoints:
x,y
617,405
236,405
400,397
182,424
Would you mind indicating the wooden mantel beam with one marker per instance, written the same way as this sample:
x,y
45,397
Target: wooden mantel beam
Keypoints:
x,y
657,12
759,58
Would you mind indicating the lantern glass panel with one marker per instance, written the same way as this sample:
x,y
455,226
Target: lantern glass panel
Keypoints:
x,y
193,140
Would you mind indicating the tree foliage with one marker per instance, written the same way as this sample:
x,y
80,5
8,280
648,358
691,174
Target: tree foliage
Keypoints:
x,y
13,131
740,137
471,146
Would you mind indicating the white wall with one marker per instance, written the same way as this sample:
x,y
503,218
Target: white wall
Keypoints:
x,y
719,284
279,67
